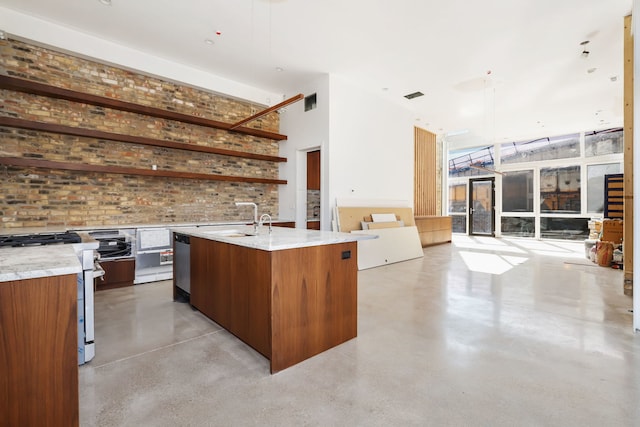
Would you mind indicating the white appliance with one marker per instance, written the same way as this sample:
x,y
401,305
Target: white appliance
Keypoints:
x,y
154,255
88,256
85,248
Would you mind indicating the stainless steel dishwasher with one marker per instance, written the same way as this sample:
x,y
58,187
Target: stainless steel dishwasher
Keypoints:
x,y
182,263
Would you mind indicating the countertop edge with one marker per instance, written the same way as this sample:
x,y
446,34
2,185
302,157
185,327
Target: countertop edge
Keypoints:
x,y
37,262
86,228
279,239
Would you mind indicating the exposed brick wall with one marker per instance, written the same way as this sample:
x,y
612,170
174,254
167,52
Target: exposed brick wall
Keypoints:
x,y
32,197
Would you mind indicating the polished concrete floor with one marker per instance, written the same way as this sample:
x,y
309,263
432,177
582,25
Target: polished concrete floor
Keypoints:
x,y
480,332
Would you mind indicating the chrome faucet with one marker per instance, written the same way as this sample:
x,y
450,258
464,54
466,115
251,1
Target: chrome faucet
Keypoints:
x,y
261,222
255,213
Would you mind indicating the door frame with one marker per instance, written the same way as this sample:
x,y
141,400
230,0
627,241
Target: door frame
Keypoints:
x,y
470,199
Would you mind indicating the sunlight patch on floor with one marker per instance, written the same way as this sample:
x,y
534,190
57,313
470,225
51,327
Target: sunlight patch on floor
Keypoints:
x,y
486,244
490,263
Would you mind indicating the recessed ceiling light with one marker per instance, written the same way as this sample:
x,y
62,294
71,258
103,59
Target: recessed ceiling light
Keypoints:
x,y
209,41
385,89
105,2
613,78
591,70
279,69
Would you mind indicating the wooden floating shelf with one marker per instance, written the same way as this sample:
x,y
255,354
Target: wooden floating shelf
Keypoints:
x,y
82,167
291,100
34,88
90,133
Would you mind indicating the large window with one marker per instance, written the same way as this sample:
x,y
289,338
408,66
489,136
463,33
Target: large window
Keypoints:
x,y
517,191
560,147
458,207
560,190
518,226
473,162
458,223
458,198
595,185
564,228
547,187
603,142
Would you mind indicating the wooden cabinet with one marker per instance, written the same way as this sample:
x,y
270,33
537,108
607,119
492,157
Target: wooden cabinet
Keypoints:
x,y
433,229
249,281
210,290
39,352
288,304
313,301
229,284
313,170
117,274
288,224
313,225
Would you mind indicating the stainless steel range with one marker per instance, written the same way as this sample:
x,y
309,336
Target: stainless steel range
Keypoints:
x,y
86,248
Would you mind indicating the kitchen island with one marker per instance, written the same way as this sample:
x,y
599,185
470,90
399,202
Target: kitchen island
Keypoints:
x,y
289,294
38,335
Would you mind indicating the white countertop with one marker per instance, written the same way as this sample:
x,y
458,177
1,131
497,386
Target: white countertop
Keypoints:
x,y
61,229
279,239
37,261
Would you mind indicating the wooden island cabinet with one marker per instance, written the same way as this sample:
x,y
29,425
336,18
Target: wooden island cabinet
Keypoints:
x,y
39,335
288,304
39,352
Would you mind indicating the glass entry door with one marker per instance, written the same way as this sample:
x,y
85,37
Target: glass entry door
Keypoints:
x,y
481,206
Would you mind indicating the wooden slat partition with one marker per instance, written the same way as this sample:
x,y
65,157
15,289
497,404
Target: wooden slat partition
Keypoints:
x,y
628,157
425,173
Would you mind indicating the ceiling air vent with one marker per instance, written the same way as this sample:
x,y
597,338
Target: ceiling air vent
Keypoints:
x,y
414,95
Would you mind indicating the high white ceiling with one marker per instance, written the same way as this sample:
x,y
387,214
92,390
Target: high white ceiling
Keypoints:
x,y
492,70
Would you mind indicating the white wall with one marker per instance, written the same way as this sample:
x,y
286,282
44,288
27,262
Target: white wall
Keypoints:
x,y
305,131
366,143
371,146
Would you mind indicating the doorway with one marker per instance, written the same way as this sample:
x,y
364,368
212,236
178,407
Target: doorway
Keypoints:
x,y
482,218
313,190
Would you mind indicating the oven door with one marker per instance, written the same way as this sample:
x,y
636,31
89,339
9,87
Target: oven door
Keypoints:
x,y
89,316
